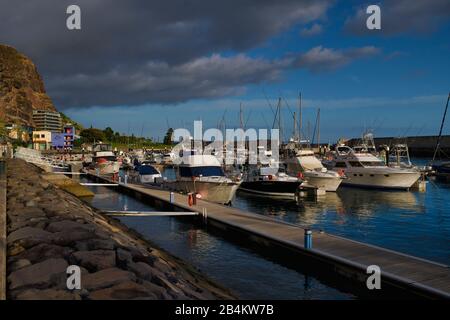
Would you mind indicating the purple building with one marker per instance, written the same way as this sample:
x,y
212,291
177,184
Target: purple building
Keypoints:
x,y
69,136
57,140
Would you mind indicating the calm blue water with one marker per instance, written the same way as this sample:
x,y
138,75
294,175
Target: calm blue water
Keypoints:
x,y
246,273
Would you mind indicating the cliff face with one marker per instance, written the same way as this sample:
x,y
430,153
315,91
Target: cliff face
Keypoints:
x,y
21,88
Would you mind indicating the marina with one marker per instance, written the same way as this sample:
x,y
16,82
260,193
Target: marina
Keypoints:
x,y
348,258
221,158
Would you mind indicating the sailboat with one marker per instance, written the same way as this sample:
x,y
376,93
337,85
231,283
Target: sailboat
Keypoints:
x,y
441,168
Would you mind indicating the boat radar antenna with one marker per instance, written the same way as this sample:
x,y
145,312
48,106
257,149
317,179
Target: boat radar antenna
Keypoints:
x,y
438,142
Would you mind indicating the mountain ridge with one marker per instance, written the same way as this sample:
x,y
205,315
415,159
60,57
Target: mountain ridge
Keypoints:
x,y
22,89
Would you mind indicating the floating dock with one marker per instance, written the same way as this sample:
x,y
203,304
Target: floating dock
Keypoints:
x,y
412,275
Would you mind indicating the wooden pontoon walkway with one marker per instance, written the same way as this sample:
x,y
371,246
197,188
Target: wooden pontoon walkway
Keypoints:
x,y
419,276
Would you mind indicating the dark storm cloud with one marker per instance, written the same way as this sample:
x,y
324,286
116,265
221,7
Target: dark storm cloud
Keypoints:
x,y
402,16
137,52
158,82
132,32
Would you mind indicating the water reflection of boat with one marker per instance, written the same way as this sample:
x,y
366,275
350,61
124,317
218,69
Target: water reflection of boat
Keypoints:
x,y
343,203
363,203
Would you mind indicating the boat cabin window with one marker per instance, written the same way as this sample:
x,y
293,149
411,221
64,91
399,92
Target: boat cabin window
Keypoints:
x,y
102,147
340,164
355,163
147,170
108,158
372,163
206,171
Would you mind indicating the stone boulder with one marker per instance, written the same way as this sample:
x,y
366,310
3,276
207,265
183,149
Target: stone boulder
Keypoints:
x,y
49,273
96,260
106,278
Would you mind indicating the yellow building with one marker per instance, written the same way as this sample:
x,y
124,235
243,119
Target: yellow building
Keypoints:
x,y
42,140
18,132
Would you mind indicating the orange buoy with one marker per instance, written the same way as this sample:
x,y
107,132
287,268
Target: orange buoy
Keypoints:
x,y
190,199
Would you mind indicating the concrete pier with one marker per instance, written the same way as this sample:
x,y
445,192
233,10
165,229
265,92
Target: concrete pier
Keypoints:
x,y
402,273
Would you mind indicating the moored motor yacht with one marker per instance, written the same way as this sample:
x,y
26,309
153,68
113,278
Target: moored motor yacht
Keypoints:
x,y
148,173
363,169
303,162
104,159
270,179
203,175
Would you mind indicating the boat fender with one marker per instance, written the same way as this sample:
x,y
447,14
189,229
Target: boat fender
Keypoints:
x,y
190,199
341,172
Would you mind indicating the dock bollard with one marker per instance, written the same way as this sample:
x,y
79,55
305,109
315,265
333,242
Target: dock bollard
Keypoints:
x,y
205,215
308,239
172,197
190,199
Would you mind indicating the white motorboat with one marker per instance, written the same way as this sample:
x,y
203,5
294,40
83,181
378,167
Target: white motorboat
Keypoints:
x,y
303,162
364,169
203,175
104,159
148,173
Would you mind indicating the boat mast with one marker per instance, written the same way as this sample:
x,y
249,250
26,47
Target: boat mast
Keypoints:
x,y
438,142
279,119
318,129
300,118
294,133
241,119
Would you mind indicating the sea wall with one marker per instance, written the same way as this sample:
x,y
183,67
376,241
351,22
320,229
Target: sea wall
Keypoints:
x,y
49,229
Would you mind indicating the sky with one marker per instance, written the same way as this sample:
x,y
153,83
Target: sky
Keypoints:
x,y
141,67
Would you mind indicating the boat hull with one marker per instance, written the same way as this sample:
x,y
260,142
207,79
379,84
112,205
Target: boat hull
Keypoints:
x,y
328,183
218,192
398,181
110,167
148,178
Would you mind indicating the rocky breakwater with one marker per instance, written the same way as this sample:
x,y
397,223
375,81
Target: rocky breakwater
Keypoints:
x,y
50,229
